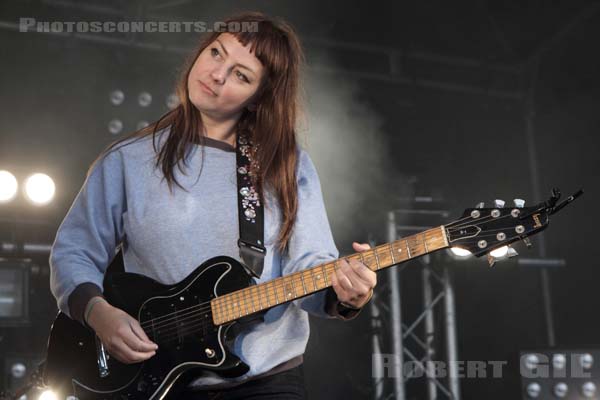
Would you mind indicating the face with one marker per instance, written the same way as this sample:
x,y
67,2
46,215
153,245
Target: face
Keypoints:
x,y
224,79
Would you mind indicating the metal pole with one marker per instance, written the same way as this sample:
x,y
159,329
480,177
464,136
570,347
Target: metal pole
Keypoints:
x,y
395,316
429,330
452,352
377,362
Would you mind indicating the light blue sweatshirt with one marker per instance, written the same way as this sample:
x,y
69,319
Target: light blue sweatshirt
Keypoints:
x,y
166,236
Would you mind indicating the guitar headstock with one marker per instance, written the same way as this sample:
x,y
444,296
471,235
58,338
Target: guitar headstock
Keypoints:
x,y
481,230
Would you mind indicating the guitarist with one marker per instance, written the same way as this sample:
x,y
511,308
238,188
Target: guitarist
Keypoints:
x,y
167,194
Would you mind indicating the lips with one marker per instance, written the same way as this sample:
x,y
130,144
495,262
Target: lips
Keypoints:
x,y
206,88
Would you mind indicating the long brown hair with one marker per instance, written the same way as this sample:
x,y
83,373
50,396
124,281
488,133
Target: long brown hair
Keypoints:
x,y
271,126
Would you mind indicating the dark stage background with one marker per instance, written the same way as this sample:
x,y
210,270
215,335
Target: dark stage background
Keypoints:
x,y
402,99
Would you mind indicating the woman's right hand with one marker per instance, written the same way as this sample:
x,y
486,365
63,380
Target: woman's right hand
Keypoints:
x,y
120,333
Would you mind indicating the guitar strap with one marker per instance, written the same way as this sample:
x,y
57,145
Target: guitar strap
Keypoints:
x,y
250,209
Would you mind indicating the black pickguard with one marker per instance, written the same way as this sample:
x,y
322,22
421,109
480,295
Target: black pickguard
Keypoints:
x,y
177,317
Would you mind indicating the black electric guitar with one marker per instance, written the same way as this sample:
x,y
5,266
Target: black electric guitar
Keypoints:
x,y
190,320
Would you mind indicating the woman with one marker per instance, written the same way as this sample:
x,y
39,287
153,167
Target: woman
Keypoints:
x,y
157,192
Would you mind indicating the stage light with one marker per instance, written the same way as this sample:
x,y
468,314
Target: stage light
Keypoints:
x,y
172,101
588,390
559,361
500,252
115,126
533,390
48,395
18,370
561,389
586,361
460,252
8,186
532,361
144,99
117,97
559,374
40,189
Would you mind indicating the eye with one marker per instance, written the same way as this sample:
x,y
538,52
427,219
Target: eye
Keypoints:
x,y
242,76
214,52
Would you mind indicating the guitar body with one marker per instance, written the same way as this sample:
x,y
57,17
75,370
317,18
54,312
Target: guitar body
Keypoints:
x,y
189,342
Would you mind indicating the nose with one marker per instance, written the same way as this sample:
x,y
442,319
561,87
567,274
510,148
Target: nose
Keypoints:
x,y
218,74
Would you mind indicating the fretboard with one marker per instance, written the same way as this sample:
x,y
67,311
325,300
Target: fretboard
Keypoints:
x,y
278,291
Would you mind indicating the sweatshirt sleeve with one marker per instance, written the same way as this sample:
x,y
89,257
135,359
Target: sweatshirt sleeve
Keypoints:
x,y
87,238
312,242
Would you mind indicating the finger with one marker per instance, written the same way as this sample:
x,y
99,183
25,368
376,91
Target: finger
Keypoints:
x,y
359,272
125,354
134,343
361,246
343,279
139,332
359,289
335,283
365,274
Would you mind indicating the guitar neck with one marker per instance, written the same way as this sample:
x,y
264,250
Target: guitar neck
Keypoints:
x,y
256,298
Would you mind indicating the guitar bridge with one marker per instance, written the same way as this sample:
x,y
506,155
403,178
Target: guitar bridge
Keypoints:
x,y
102,359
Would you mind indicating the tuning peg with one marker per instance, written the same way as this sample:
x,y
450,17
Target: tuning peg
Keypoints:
x,y
491,260
480,205
519,203
527,242
511,252
499,203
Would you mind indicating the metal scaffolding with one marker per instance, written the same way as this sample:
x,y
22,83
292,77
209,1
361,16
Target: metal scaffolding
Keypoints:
x,y
414,351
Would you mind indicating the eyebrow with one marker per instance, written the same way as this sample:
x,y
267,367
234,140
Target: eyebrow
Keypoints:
x,y
227,54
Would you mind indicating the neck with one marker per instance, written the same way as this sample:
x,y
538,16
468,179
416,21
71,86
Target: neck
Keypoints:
x,y
281,290
222,130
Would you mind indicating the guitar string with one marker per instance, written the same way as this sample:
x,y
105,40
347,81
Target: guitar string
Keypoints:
x,y
479,221
282,284
189,313
190,329
160,321
152,323
182,313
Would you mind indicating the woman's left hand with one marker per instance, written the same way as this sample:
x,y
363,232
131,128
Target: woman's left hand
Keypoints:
x,y
354,282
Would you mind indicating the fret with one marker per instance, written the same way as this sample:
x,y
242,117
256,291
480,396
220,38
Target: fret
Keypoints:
x,y
425,242
251,299
312,273
377,258
265,288
324,274
260,307
407,248
274,286
293,291
236,304
302,280
225,303
362,259
219,307
391,246
243,306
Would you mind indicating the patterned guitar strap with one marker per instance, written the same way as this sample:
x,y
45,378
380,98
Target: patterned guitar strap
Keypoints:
x,y
250,209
